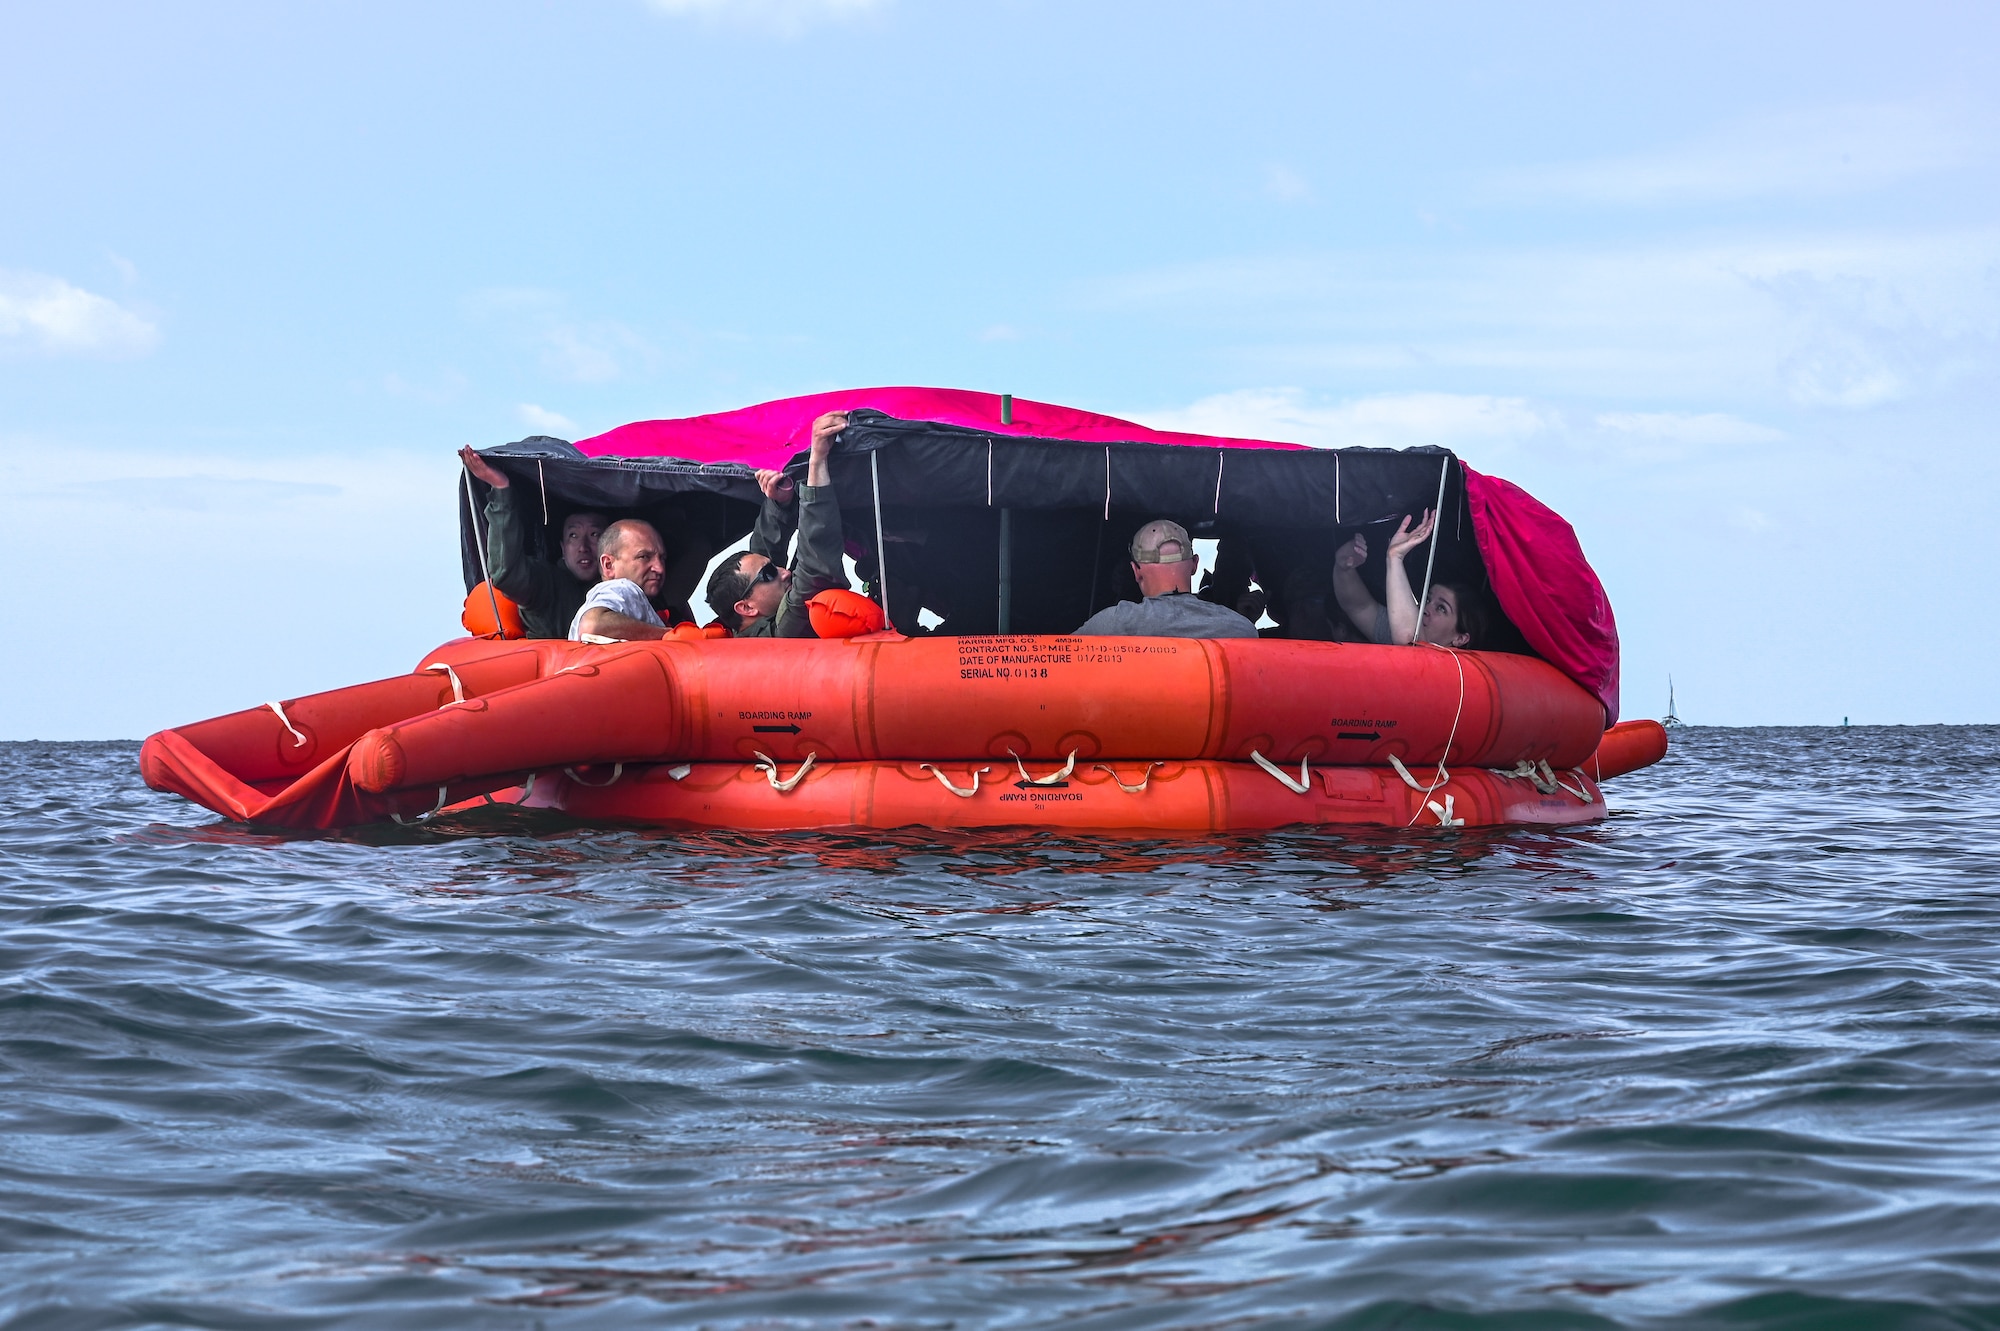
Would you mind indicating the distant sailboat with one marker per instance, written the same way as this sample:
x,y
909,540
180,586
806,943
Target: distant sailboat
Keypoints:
x,y
1670,719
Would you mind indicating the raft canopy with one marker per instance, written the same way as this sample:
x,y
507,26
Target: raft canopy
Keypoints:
x,y
1062,491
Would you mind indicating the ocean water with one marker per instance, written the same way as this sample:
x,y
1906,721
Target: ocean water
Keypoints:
x,y
1730,1059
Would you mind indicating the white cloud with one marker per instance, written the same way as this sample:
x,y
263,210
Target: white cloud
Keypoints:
x,y
543,421
1386,420
48,314
1281,182
593,353
1841,321
999,333
447,386
194,492
573,350
369,534
1682,427
1821,151
784,18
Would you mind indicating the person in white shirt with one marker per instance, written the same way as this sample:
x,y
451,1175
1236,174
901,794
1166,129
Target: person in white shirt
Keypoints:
x,y
620,608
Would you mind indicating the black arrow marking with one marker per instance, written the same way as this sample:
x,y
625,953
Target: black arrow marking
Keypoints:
x,y
1345,734
776,730
1036,785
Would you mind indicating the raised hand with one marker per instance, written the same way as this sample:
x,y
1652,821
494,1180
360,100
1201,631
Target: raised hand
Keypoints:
x,y
481,469
775,485
1353,554
824,429
1407,538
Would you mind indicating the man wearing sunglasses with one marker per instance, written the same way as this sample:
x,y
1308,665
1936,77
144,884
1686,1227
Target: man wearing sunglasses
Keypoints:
x,y
754,595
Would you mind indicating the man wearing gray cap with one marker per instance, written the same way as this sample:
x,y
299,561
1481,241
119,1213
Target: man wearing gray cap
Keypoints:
x,y
1163,562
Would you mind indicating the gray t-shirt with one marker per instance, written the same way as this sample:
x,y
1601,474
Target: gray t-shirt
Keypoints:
x,y
622,595
1174,615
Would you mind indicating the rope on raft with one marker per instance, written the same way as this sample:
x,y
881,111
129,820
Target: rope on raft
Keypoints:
x,y
1444,814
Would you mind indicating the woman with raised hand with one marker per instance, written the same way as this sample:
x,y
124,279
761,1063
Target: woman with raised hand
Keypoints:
x,y
1451,615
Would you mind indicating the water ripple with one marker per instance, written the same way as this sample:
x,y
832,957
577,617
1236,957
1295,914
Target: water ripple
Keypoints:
x,y
1726,1060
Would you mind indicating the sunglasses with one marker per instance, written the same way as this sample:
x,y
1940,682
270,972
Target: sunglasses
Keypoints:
x,y
768,573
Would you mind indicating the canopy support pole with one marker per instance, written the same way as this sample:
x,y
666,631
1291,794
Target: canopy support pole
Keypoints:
x,y
479,544
1430,561
881,550
1006,531
1006,570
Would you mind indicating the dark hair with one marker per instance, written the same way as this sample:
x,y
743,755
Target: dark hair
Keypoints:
x,y
726,586
1474,619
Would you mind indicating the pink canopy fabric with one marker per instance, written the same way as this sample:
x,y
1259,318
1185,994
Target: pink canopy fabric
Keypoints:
x,y
772,433
1539,575
1545,585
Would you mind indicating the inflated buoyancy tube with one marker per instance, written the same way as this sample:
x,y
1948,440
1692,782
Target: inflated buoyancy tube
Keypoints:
x,y
838,612
1627,747
1041,698
607,707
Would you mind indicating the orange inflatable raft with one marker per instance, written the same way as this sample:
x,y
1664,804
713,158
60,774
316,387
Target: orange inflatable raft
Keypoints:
x,y
1006,522
1143,734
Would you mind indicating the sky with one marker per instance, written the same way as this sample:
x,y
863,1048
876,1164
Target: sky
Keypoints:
x,y
1719,283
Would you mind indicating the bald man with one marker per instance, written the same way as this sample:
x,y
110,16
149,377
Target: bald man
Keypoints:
x,y
634,569
1164,564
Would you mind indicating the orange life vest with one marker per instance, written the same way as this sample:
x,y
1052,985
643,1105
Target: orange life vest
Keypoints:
x,y
478,614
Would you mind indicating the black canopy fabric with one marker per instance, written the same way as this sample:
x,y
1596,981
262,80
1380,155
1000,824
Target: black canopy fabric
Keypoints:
x,y
1279,514
550,476
1071,507
945,465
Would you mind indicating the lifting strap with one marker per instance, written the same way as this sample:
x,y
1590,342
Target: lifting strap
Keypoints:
x,y
457,689
298,740
1145,778
1444,813
1298,787
945,781
422,817
1061,774
769,766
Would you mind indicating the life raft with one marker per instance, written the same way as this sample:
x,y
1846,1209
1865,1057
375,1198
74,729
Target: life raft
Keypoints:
x,y
1165,735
